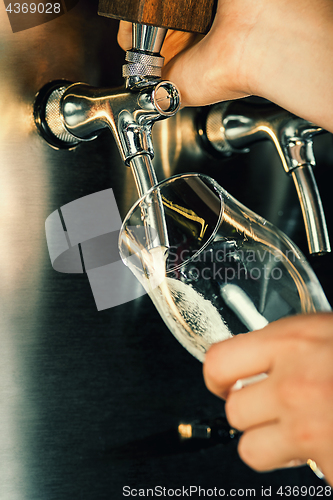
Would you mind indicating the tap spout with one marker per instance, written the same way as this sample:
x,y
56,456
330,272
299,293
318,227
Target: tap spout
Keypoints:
x,y
312,210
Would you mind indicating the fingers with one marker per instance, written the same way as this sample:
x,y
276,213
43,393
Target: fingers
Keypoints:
x,y
287,417
177,41
205,72
252,406
199,76
256,352
125,35
265,448
236,358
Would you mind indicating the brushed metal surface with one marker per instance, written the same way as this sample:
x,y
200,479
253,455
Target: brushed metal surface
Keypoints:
x,y
90,401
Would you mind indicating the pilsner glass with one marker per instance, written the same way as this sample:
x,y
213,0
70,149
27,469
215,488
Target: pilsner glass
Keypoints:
x,y
225,270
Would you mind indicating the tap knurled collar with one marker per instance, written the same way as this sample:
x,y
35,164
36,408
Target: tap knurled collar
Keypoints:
x,y
53,117
215,129
141,64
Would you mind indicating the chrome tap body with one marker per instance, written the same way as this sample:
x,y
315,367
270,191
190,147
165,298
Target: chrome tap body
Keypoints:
x,y
233,126
128,113
67,114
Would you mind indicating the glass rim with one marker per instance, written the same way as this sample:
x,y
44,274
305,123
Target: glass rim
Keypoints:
x,y
162,183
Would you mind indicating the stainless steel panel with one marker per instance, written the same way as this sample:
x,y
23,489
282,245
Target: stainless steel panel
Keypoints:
x,y
90,401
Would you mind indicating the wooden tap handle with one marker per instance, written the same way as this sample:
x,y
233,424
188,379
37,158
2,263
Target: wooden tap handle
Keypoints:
x,y
183,15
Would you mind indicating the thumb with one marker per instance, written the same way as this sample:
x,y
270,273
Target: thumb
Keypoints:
x,y
125,35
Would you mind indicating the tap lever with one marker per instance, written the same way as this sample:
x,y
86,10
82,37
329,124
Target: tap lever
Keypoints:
x,y
177,14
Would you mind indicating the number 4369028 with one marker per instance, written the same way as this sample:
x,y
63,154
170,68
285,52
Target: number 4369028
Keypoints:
x,y
34,8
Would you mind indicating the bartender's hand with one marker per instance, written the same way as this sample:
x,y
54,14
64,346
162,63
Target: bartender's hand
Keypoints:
x,y
287,418
281,50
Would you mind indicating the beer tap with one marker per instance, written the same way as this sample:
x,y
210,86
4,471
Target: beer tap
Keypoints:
x,y
69,113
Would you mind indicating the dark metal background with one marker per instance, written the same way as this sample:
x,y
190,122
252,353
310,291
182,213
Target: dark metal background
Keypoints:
x,y
90,401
